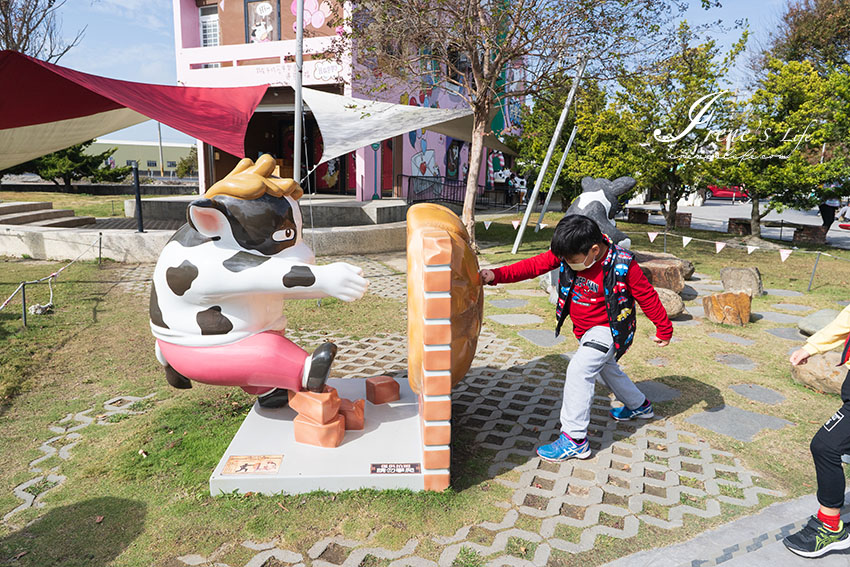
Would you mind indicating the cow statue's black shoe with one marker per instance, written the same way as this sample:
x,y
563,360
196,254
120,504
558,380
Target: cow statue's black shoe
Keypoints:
x,y
277,398
176,379
320,367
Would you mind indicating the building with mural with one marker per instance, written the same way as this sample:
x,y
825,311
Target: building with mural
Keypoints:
x,y
228,43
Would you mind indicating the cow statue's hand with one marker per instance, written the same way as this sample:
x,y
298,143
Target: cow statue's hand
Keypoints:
x,y
343,281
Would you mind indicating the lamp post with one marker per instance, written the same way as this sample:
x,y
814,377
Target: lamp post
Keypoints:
x,y
376,146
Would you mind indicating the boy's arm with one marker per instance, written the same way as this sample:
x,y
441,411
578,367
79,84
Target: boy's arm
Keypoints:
x,y
831,336
647,298
526,269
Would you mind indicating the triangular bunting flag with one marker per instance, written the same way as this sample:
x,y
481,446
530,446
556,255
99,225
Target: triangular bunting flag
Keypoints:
x,y
652,236
783,254
751,248
718,246
487,225
686,240
543,225
515,223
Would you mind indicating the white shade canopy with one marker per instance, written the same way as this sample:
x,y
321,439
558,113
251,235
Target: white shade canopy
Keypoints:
x,y
348,124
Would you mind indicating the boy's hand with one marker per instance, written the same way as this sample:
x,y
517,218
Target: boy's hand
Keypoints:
x,y
660,342
799,356
487,276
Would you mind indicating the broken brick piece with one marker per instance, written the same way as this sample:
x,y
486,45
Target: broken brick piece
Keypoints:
x,y
381,389
311,432
353,413
320,407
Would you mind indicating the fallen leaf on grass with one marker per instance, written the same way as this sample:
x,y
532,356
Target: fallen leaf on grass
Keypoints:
x,y
282,507
143,453
21,554
98,519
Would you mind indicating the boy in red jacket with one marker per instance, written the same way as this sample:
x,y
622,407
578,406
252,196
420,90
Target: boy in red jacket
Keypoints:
x,y
598,286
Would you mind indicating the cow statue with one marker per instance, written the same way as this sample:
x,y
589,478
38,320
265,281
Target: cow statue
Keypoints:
x,y
219,285
598,200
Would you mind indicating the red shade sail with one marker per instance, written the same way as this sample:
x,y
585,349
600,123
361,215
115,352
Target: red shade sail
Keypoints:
x,y
45,108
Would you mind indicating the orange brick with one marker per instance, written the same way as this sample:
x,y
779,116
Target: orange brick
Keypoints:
x,y
440,459
437,334
438,281
381,389
436,482
437,360
438,308
327,435
436,434
319,407
354,413
436,248
436,410
437,385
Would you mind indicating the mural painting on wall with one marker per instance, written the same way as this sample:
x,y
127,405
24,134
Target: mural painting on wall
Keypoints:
x,y
316,14
262,21
453,159
424,162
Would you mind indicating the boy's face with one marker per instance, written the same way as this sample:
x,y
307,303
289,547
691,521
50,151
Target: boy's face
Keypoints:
x,y
579,262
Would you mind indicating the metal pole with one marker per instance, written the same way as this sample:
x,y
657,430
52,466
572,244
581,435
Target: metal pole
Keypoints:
x,y
555,179
99,247
139,224
24,302
781,222
549,152
811,279
161,163
299,102
665,237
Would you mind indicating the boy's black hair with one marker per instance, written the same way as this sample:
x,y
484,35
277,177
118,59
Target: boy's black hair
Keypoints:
x,y
575,234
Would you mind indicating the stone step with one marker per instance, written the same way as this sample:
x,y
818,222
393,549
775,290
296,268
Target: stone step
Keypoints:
x,y
64,222
33,216
9,207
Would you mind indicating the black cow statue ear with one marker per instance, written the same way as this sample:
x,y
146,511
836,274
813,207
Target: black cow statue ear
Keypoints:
x,y
623,184
206,219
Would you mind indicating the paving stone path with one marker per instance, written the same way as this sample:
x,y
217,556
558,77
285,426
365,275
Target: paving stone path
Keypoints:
x,y
788,333
515,319
736,423
758,393
66,436
736,361
734,339
792,307
774,317
508,303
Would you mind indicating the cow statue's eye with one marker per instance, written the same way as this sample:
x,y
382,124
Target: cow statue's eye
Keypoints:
x,y
284,235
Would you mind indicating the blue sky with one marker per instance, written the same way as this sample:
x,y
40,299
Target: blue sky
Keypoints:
x,y
134,40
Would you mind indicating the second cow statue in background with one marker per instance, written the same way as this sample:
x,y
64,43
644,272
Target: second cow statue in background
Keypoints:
x,y
220,284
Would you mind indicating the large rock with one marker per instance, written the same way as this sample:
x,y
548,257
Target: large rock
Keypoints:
x,y
813,323
742,279
664,273
729,308
821,372
673,304
687,266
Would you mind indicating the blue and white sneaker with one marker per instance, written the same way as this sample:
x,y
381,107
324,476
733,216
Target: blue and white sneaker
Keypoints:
x,y
564,448
625,414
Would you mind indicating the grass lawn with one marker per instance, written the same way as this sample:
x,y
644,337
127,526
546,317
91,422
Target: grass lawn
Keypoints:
x,y
83,205
136,491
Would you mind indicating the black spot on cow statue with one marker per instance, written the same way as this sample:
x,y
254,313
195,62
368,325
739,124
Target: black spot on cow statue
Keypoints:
x,y
598,200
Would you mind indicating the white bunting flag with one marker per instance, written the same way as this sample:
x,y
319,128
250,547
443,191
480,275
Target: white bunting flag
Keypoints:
x,y
487,225
543,225
515,223
751,248
652,236
783,254
718,246
686,240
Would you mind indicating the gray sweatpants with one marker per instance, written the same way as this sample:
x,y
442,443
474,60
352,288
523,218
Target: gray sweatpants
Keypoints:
x,y
595,359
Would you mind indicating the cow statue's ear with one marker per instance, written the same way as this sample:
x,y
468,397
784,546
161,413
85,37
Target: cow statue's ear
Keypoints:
x,y
207,219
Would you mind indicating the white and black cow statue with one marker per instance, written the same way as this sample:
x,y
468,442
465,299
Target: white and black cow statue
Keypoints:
x,y
598,200
221,281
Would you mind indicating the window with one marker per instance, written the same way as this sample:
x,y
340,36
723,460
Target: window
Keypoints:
x,y
171,164
262,21
209,26
132,162
151,163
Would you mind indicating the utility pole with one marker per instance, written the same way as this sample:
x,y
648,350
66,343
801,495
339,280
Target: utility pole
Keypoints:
x,y
161,163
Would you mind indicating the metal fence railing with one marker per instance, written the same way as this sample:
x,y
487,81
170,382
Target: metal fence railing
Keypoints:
x,y
422,189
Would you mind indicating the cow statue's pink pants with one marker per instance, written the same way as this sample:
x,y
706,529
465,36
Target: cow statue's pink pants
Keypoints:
x,y
256,364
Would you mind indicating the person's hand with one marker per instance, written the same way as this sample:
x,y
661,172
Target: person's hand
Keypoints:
x,y
799,356
487,276
660,342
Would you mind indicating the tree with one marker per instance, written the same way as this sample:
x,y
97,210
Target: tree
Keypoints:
x,y
817,31
188,165
471,45
72,164
32,27
683,108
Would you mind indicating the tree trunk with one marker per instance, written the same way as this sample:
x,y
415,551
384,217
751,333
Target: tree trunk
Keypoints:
x,y
672,208
479,123
67,181
755,216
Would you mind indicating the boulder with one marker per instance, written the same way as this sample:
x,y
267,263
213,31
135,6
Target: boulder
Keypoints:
x,y
742,279
664,273
673,304
813,323
821,372
728,308
687,266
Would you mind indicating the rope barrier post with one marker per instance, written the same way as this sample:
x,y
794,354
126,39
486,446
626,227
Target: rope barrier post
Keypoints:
x,y
811,279
24,303
99,247
139,223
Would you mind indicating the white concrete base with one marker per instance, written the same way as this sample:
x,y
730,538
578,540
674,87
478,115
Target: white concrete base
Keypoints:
x,y
391,436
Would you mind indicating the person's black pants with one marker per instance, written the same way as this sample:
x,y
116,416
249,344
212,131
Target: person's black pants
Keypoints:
x,y
827,213
828,445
